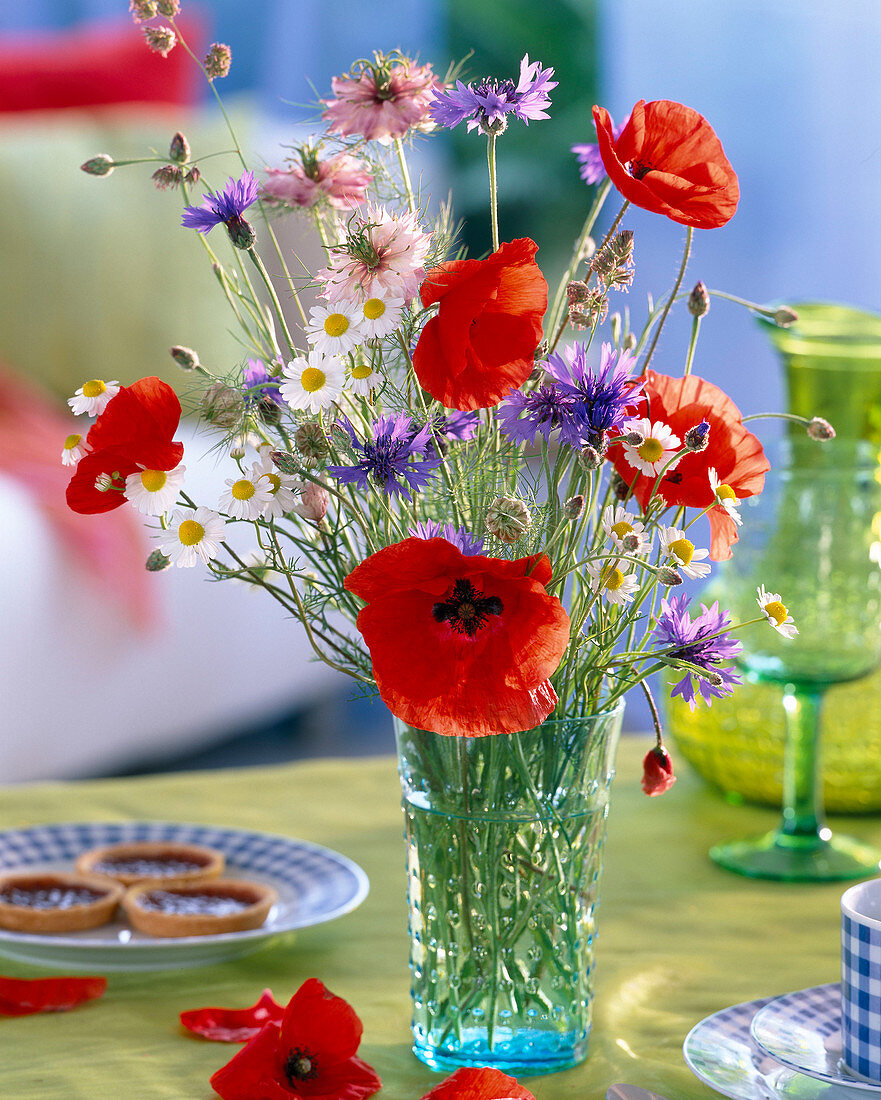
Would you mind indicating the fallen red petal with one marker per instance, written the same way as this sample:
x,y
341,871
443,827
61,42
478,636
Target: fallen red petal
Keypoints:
x,y
234,1025
26,996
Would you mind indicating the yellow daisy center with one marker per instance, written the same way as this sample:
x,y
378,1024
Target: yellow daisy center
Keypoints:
x,y
613,578
683,549
243,489
94,388
335,324
274,482
72,441
153,480
777,611
373,308
651,450
622,528
361,372
190,532
312,379
725,492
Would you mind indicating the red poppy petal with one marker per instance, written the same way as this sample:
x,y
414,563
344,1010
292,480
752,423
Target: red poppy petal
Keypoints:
x,y
146,411
256,1072
439,280
723,534
478,1084
26,996
234,1025
321,1023
350,1080
83,497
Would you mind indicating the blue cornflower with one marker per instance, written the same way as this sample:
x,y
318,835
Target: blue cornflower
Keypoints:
x,y
387,457
693,640
458,536
486,105
226,207
258,383
591,167
523,415
457,425
601,397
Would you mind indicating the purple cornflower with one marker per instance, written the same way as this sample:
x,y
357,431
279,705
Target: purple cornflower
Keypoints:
x,y
457,425
601,397
486,105
226,207
523,415
694,641
592,169
458,536
258,383
387,457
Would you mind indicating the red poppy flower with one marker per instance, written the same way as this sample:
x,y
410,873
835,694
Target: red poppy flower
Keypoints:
x,y
668,159
733,452
234,1025
27,996
312,1053
480,346
134,432
657,771
461,645
478,1084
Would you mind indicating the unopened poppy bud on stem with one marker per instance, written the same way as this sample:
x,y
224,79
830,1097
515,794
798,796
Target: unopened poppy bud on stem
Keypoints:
x,y
508,519
574,507
657,771
179,149
820,429
699,301
101,165
185,358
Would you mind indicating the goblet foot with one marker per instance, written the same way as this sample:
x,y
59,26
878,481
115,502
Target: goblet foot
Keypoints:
x,y
787,858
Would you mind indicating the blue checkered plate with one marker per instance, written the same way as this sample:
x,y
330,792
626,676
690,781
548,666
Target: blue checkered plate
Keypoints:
x,y
803,1031
314,885
720,1051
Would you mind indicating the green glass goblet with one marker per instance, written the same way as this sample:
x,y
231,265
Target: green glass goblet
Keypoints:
x,y
813,536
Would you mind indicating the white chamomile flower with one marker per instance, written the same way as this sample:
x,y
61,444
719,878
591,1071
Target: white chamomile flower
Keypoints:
x,y
312,381
380,316
776,612
73,450
607,578
193,536
688,561
153,492
362,379
725,496
659,445
92,397
247,497
619,524
283,487
334,329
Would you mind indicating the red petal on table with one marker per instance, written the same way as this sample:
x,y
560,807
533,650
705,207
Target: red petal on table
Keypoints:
x,y
25,996
234,1025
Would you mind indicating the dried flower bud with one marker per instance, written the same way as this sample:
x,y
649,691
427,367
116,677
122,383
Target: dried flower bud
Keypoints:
x,y
222,405
698,437
820,429
657,771
241,232
314,502
161,40
591,458
217,60
193,175
167,177
591,310
669,576
574,507
185,358
286,462
699,301
102,165
168,8
629,341
142,10
311,442
613,264
179,149
784,317
632,439
508,519
157,561
618,485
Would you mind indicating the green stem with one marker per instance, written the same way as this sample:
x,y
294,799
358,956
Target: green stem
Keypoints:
x,y
276,304
493,188
689,234
405,175
692,344
578,252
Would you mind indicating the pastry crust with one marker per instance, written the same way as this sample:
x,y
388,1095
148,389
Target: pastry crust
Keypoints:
x,y
161,909
141,861
84,901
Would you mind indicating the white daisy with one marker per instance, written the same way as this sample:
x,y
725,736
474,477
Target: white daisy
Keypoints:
x,y
607,578
283,487
725,496
776,612
247,497
73,450
380,316
313,381
362,379
334,329
193,536
689,561
658,446
92,397
619,524
153,492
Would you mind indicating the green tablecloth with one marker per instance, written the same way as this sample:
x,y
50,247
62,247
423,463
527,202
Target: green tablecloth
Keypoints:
x,y
678,940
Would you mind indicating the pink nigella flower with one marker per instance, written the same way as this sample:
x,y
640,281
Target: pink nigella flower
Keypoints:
x,y
341,179
382,100
382,252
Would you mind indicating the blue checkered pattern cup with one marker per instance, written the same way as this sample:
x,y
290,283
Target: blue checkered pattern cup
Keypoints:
x,y
861,980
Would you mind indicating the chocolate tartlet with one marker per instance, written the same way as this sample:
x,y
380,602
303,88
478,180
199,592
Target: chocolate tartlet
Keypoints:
x,y
198,908
151,860
44,902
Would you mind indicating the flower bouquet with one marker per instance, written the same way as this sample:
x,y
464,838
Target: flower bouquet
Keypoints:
x,y
478,503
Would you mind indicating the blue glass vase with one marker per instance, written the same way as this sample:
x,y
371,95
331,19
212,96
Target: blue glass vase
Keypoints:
x,y
504,840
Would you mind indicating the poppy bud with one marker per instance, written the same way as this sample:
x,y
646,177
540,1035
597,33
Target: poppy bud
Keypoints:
x,y
102,165
698,437
185,358
222,405
285,461
699,301
167,177
161,40
574,506
157,561
508,519
669,576
657,771
179,150
784,317
311,442
217,61
820,429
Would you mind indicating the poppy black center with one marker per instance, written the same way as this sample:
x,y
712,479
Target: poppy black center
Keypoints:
x,y
639,168
300,1065
466,609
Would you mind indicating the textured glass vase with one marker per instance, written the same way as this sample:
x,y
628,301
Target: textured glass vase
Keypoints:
x,y
504,842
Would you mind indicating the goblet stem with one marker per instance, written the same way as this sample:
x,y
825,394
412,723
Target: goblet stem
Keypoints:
x,y
802,786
